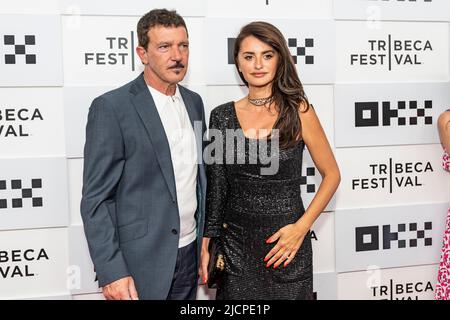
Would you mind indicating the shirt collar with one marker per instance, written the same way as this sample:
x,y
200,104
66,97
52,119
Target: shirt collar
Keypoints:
x,y
160,99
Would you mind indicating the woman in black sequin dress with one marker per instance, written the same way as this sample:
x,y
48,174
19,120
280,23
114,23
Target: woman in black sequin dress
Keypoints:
x,y
253,200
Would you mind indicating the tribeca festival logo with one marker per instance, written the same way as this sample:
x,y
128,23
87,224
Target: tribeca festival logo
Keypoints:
x,y
393,175
14,263
390,289
12,121
392,52
401,290
299,48
367,238
19,49
367,114
119,51
21,194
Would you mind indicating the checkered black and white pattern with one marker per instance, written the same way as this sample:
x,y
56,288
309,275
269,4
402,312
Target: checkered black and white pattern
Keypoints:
x,y
389,237
310,173
298,50
25,193
389,113
19,49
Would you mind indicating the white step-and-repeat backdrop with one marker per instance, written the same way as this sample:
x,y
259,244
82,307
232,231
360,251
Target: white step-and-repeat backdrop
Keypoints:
x,y
377,73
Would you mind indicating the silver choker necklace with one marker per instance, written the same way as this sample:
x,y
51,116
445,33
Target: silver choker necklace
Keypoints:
x,y
260,101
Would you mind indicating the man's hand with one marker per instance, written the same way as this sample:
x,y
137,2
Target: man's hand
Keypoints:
x,y
122,289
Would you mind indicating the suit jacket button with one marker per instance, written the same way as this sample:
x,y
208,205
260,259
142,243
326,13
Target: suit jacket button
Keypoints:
x,y
174,231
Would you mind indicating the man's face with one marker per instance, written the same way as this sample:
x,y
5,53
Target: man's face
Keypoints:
x,y
167,54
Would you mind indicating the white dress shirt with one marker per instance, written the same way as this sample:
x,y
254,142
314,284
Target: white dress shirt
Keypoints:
x,y
183,151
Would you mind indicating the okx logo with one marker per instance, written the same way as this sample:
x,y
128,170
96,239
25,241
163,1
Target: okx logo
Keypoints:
x,y
299,50
392,52
306,180
21,193
19,48
119,51
368,238
367,114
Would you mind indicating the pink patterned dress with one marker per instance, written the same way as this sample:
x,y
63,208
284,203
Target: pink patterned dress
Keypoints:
x,y
443,286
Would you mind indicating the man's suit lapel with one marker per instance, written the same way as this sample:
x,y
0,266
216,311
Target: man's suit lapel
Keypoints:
x,y
192,110
195,116
146,109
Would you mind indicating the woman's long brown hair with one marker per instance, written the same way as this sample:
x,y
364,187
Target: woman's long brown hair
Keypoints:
x,y
287,90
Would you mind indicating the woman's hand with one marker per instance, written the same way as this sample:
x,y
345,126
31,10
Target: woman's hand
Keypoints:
x,y
204,261
290,238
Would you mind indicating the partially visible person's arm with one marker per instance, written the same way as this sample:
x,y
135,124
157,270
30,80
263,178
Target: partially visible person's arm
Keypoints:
x,y
444,130
291,236
323,158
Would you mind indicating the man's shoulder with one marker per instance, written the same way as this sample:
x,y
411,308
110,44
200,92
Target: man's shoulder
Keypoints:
x,y
193,94
117,93
115,96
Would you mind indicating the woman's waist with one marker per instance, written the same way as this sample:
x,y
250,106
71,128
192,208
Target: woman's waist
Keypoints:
x,y
269,198
262,219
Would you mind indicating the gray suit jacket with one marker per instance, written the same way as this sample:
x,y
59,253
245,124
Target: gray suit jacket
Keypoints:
x,y
129,202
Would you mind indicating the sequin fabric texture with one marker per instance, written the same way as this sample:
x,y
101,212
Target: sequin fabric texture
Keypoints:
x,y
442,291
245,207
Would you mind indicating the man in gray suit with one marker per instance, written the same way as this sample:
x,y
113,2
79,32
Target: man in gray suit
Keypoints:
x,y
143,181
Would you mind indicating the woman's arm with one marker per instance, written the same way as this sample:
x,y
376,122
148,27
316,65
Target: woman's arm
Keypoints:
x,y
322,155
291,236
444,129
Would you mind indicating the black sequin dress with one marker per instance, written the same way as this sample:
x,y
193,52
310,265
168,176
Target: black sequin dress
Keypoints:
x,y
244,208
